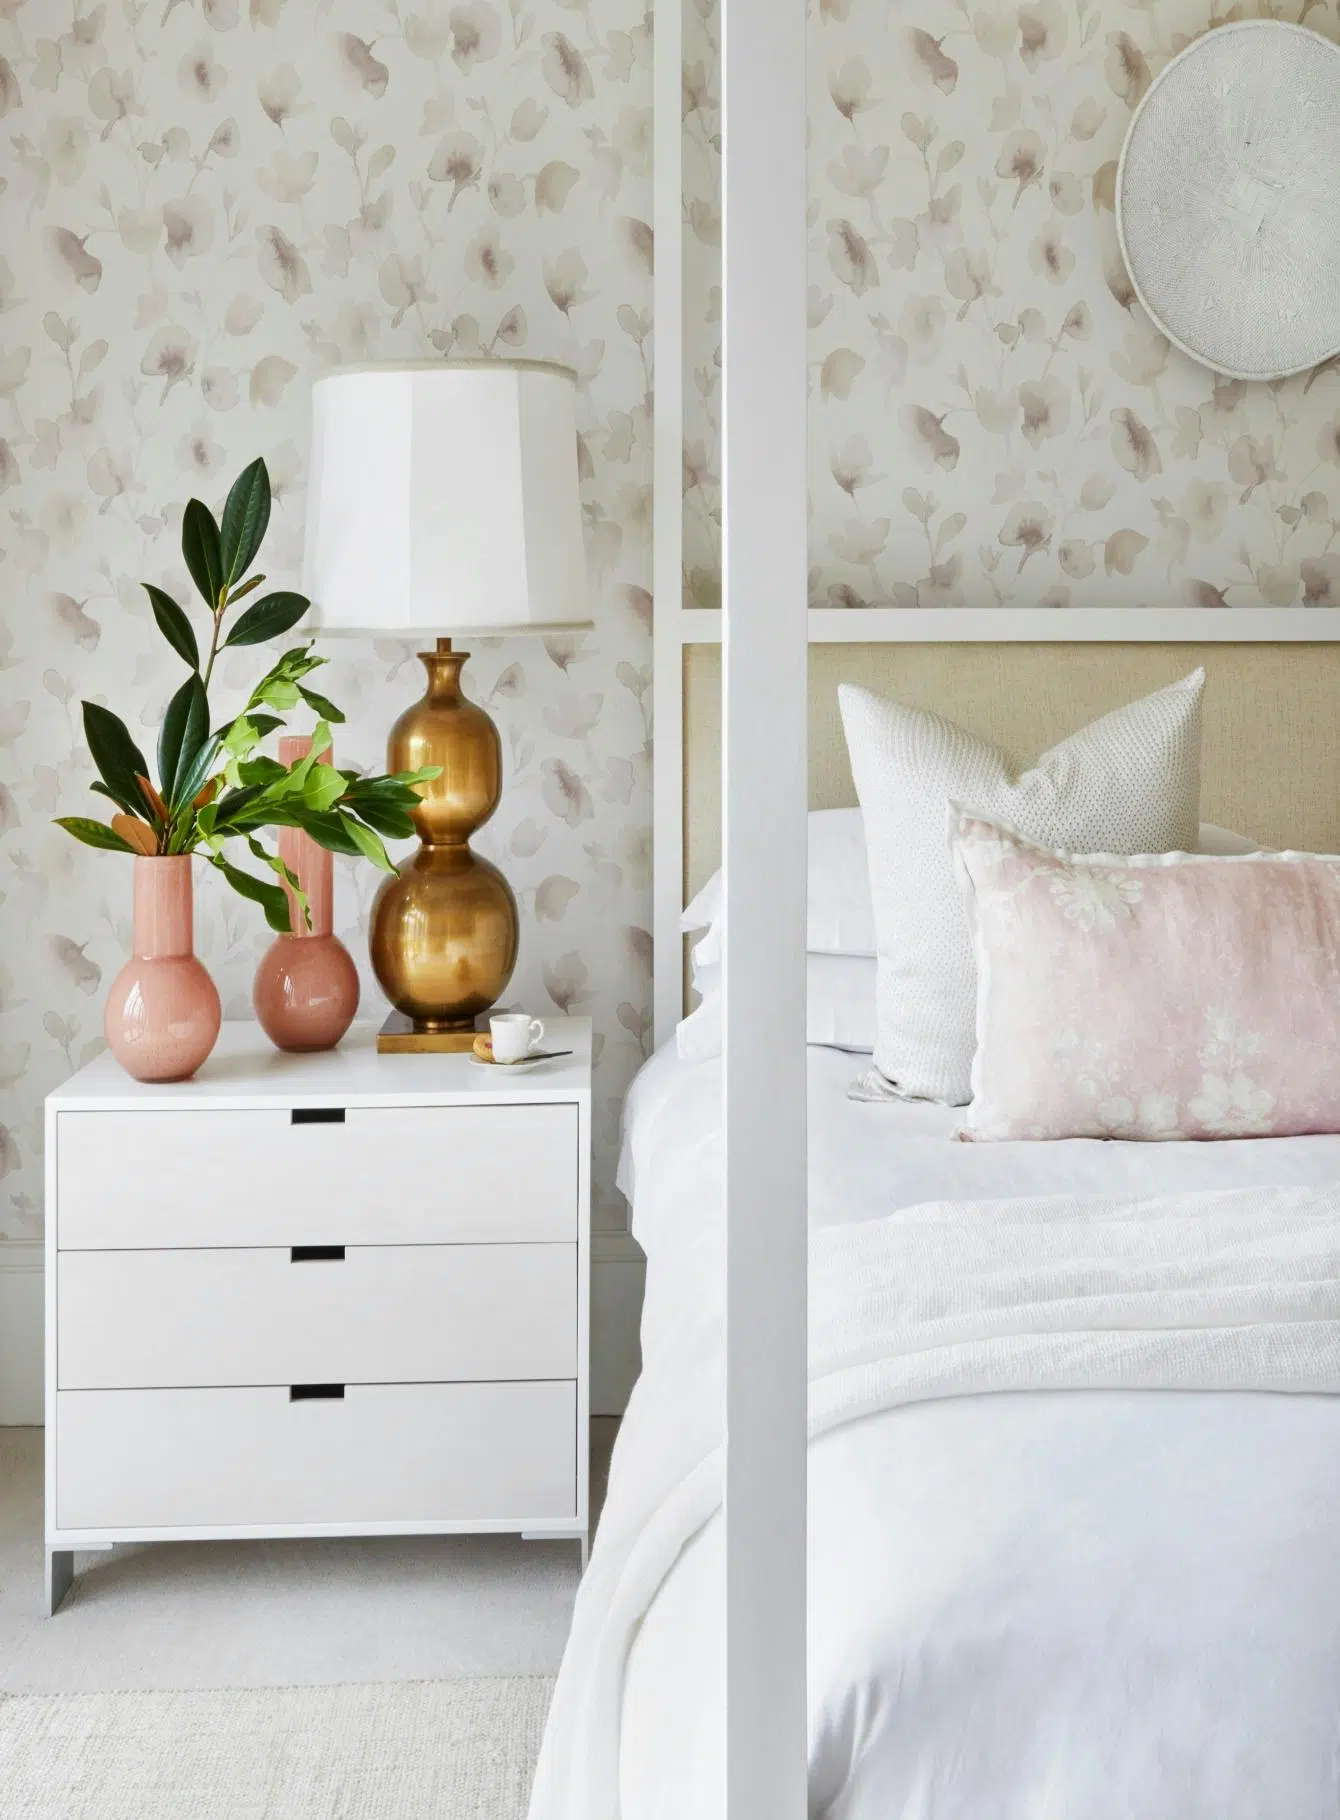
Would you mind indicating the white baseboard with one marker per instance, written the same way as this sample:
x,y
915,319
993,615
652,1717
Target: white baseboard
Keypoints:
x,y
21,1321
616,1310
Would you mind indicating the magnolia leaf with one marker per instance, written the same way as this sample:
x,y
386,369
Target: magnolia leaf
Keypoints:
x,y
192,775
184,730
94,834
269,617
174,625
153,802
200,547
117,757
135,833
246,516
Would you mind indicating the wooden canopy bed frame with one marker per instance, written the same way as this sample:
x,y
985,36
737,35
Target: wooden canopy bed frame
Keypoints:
x,y
772,663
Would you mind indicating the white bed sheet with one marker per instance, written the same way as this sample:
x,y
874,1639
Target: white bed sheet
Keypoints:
x,y
1114,1605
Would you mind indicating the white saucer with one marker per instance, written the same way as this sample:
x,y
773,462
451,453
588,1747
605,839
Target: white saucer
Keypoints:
x,y
525,1067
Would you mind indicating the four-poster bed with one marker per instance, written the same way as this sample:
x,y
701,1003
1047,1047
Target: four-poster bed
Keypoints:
x,y
646,1656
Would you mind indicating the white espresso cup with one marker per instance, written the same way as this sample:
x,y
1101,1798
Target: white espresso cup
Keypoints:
x,y
514,1035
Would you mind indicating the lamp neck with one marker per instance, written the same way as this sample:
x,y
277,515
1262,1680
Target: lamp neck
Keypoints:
x,y
444,668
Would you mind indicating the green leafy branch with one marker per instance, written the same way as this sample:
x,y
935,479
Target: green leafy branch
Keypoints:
x,y
214,785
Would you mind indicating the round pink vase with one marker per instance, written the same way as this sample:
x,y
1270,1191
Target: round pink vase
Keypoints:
x,y
162,1014
306,989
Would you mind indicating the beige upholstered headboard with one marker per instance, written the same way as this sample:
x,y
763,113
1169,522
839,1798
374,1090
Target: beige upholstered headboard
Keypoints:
x,y
1271,765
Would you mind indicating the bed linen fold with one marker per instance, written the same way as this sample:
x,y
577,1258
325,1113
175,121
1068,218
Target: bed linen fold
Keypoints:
x,y
1221,1290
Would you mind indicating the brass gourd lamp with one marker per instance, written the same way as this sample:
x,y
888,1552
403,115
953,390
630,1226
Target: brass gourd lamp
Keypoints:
x,y
444,500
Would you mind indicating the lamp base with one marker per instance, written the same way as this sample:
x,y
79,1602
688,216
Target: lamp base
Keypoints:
x,y
444,928
400,1036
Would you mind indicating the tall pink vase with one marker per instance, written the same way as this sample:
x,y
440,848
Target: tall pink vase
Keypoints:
x,y
306,988
162,1014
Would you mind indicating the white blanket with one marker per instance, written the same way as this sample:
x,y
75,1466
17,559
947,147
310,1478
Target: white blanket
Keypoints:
x,y
1232,1290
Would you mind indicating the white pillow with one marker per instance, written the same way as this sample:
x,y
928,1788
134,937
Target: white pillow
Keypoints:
x,y
1129,783
1223,843
840,1007
841,920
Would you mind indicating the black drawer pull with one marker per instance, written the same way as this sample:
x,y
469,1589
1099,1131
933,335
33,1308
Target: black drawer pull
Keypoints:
x,y
316,1393
316,1254
316,1115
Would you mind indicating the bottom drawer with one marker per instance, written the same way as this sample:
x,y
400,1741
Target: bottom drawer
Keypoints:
x,y
184,1459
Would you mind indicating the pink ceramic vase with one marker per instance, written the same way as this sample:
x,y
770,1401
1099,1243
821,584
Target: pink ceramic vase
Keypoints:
x,y
306,989
162,1014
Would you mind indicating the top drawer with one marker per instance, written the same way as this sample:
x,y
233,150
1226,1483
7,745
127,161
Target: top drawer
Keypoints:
x,y
396,1175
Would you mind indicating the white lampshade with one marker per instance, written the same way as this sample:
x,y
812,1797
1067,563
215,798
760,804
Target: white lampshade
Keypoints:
x,y
443,499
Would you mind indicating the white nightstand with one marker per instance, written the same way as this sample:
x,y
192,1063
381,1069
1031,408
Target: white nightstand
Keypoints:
x,y
329,1295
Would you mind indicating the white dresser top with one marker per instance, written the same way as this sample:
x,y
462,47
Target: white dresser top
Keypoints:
x,y
245,1070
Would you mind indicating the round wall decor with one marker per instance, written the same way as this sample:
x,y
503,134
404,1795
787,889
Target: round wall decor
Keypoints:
x,y
1228,199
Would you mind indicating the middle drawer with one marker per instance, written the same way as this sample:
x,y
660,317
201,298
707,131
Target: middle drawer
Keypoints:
x,y
380,1314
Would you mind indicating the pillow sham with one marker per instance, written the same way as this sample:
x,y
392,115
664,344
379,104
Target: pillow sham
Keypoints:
x,y
1223,841
1158,996
1128,783
839,1007
840,917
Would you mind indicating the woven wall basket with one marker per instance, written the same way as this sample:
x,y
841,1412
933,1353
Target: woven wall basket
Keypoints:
x,y
1228,200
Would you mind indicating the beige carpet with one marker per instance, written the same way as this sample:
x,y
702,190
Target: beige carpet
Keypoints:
x,y
276,1614
425,1750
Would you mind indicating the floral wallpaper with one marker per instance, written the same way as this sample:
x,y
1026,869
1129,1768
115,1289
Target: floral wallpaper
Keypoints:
x,y
203,204
994,421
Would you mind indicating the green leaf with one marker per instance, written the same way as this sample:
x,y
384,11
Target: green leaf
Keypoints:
x,y
261,770
387,819
271,615
185,729
322,788
276,864
298,774
191,777
117,757
173,624
93,834
245,518
241,810
200,547
270,897
368,843
327,831
321,704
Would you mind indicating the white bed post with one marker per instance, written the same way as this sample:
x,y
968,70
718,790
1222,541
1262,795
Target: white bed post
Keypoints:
x,y
764,840
668,523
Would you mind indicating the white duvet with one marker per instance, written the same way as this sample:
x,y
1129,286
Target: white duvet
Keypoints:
x,y
1072,1555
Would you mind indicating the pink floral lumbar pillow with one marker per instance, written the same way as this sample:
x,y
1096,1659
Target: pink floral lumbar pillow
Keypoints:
x,y
1169,995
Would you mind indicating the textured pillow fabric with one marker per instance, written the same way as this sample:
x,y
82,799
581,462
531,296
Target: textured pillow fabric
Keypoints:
x,y
1171,995
840,919
1129,783
839,1007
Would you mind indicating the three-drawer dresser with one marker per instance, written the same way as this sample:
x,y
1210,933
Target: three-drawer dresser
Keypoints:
x,y
328,1295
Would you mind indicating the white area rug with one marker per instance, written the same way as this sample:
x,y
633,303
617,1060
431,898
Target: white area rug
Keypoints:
x,y
426,1750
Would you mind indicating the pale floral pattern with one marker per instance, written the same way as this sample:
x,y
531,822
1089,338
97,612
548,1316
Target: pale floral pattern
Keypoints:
x,y
1094,898
203,207
1160,997
1030,439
